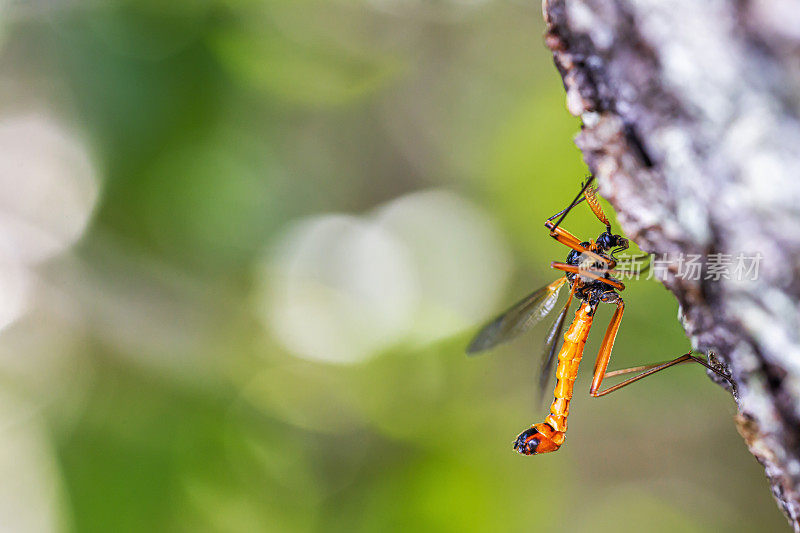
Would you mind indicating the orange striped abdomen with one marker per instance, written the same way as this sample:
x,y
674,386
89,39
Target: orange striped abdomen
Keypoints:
x,y
549,435
569,358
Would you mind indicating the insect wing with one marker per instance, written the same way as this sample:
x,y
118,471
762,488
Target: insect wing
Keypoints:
x,y
520,317
550,347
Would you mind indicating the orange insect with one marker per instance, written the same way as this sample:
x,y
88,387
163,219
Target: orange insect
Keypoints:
x,y
588,271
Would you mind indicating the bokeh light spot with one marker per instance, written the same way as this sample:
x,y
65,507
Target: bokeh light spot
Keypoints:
x,y
461,260
423,267
48,186
340,289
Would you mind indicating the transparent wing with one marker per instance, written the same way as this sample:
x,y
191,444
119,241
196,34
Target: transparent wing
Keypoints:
x,y
520,317
551,345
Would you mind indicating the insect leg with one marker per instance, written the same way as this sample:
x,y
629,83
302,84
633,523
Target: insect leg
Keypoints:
x,y
648,370
563,211
560,234
593,274
578,199
566,238
604,355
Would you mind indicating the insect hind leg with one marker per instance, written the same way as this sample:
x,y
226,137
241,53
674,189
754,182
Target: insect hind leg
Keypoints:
x,y
649,370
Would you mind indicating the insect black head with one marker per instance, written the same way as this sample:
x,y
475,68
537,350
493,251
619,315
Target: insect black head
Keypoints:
x,y
607,241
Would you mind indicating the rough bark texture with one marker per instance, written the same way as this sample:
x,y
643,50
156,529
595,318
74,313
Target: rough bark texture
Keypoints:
x,y
691,113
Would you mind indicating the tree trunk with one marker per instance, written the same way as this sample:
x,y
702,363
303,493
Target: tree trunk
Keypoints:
x,y
691,123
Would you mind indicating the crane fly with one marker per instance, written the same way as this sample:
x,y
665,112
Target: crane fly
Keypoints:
x,y
588,273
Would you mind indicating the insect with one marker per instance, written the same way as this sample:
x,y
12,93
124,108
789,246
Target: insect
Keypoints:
x,y
588,272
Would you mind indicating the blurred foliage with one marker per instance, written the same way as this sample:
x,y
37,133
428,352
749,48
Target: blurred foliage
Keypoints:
x,y
215,124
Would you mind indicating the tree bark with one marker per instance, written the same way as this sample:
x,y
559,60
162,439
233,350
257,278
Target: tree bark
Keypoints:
x,y
691,124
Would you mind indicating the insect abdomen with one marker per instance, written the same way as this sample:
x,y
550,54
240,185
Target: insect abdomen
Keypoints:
x,y
549,435
568,360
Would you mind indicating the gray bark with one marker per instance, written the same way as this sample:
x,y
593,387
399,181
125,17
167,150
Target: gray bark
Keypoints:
x,y
691,113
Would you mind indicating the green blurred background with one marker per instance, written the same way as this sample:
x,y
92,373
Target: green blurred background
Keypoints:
x,y
248,242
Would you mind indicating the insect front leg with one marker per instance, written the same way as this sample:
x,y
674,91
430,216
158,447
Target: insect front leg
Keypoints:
x,y
596,275
553,227
560,234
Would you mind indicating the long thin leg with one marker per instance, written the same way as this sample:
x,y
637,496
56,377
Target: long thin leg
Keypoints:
x,y
604,355
594,274
642,368
575,202
649,370
568,239
565,237
564,211
561,235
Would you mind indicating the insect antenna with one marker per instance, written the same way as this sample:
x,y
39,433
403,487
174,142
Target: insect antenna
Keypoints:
x,y
597,209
